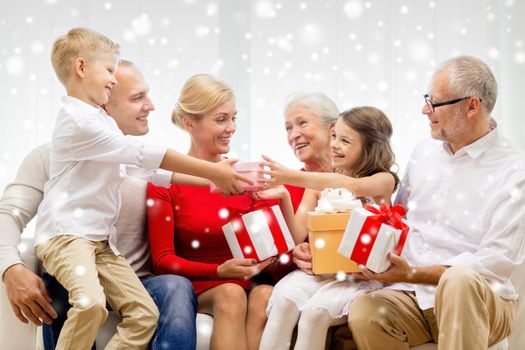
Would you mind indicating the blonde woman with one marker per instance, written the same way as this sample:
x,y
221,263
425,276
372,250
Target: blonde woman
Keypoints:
x,y
185,223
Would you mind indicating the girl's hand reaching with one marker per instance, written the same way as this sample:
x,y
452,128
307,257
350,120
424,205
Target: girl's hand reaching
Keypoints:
x,y
279,174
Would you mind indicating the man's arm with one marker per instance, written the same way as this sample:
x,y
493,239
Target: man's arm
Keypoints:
x,y
18,205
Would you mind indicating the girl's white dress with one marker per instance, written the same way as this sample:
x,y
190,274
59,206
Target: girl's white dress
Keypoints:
x,y
323,292
327,293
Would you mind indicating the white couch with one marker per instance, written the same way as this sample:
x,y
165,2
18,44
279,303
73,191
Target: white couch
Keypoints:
x,y
15,335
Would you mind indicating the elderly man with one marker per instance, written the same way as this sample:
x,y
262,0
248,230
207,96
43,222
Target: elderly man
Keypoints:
x,y
465,200
130,106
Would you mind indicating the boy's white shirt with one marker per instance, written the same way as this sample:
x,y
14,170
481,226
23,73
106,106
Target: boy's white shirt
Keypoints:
x,y
88,149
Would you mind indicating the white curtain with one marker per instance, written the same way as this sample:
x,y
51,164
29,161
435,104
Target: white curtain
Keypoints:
x,y
358,52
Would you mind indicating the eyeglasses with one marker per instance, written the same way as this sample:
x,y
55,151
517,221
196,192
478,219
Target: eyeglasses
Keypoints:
x,y
432,106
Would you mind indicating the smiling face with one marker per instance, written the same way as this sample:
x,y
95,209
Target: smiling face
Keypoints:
x,y
129,103
346,146
211,133
99,78
308,135
447,123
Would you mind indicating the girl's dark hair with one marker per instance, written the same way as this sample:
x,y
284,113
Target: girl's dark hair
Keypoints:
x,y
375,130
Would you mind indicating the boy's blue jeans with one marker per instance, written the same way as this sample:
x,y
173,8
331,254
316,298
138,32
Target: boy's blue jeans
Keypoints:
x,y
174,297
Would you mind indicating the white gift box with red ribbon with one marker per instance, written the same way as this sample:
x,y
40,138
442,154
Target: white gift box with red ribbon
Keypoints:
x,y
372,233
259,234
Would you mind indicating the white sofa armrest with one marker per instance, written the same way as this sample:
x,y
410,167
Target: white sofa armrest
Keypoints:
x,y
14,334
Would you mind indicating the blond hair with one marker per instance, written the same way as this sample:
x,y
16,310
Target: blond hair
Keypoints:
x,y
200,94
78,42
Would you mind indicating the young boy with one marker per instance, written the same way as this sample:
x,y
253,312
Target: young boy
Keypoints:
x,y
75,234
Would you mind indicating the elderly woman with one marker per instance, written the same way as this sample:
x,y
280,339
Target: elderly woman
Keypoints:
x,y
185,223
309,118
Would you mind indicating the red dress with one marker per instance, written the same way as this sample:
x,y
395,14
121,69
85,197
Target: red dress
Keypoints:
x,y
185,232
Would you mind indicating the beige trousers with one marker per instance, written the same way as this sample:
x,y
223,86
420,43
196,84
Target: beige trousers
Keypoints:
x,y
91,272
467,316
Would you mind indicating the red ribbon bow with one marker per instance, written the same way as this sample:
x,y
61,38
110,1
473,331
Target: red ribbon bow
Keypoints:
x,y
390,215
386,215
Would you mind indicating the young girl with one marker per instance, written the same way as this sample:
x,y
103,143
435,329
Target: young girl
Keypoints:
x,y
362,155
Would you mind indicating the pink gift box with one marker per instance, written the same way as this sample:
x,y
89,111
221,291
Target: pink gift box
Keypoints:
x,y
259,234
372,233
248,169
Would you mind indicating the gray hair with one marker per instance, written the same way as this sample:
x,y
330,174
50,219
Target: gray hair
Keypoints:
x,y
470,76
323,106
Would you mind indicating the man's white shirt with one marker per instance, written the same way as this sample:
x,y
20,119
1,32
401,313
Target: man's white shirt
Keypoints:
x,y
466,209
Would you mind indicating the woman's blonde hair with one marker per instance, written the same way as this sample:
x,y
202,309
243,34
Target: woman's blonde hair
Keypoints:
x,y
79,42
375,130
200,94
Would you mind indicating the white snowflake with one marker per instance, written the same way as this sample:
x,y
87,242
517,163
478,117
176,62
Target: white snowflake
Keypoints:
x,y
129,35
382,86
141,25
211,9
353,9
284,259
14,65
265,9
320,243
419,51
84,301
224,213
78,213
311,34
80,270
201,31
365,238
22,247
520,57
340,276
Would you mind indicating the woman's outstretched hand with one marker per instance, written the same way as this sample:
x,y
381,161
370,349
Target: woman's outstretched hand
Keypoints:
x,y
278,192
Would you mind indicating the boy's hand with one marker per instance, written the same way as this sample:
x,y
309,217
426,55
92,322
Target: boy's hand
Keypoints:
x,y
279,174
227,179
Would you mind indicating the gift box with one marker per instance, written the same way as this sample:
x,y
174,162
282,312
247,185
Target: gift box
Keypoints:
x,y
325,231
372,233
248,169
259,234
